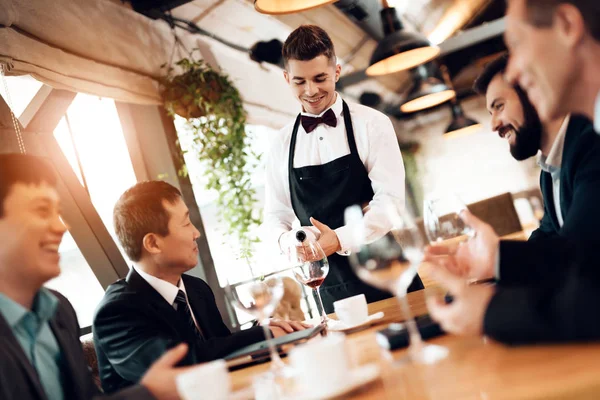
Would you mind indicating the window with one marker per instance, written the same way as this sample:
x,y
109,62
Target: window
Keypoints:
x,y
91,138
21,90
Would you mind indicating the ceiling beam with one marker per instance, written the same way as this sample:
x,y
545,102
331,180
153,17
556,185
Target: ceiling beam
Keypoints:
x,y
51,110
473,36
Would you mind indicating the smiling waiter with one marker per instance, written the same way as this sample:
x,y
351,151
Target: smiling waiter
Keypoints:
x,y
334,155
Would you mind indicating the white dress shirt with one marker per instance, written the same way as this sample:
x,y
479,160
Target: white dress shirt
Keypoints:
x,y
552,165
597,115
167,290
378,149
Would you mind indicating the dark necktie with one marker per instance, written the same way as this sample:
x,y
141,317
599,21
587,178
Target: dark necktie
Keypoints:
x,y
186,314
310,123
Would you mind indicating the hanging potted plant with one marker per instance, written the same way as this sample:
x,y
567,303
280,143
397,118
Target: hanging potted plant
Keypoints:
x,y
216,119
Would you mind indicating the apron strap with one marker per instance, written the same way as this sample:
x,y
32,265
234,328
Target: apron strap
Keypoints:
x,y
349,128
293,145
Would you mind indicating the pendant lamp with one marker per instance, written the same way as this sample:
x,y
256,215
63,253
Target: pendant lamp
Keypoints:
x,y
278,7
427,91
461,125
399,50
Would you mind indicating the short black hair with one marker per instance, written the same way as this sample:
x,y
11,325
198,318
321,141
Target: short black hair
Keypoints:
x,y
26,169
308,42
140,211
491,69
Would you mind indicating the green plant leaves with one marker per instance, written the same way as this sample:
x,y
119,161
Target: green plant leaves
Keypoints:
x,y
216,116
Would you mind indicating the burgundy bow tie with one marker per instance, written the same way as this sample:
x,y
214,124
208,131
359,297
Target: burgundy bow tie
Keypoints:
x,y
310,123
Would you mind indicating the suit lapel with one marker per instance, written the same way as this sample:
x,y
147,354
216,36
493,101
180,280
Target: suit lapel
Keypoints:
x,y
72,369
12,346
158,303
199,307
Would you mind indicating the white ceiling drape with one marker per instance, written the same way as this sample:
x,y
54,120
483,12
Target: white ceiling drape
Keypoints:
x,y
103,48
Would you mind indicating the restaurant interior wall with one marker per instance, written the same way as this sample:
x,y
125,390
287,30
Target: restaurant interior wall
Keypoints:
x,y
476,166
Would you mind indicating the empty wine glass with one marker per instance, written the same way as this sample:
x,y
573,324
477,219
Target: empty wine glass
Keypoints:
x,y
391,262
442,222
311,266
259,298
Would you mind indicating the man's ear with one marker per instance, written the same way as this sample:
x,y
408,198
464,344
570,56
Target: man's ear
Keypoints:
x,y
151,243
570,23
338,71
286,76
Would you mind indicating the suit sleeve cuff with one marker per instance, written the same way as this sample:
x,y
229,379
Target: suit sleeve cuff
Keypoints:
x,y
511,317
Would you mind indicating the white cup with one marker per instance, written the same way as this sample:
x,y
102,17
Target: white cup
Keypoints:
x,y
321,365
205,381
352,310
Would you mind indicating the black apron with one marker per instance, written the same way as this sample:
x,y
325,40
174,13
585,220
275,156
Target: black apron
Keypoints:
x,y
324,192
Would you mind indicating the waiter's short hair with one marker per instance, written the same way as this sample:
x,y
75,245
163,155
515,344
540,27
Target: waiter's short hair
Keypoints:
x,y
140,211
308,42
26,169
540,13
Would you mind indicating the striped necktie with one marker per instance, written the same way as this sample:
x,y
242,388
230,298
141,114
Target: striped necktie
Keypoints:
x,y
185,313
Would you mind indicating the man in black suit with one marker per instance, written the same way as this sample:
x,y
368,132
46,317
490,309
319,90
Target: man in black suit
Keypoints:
x,y
569,155
157,306
40,353
547,290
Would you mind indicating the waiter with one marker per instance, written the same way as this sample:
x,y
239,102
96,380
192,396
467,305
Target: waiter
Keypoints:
x,y
334,155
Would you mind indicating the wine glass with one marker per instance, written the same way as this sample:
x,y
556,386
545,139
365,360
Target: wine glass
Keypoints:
x,y
311,266
391,262
442,222
259,298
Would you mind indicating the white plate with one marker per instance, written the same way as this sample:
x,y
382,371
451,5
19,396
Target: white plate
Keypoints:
x,y
339,326
356,378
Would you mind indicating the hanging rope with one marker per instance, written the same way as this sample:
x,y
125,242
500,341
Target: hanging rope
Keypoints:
x,y
15,122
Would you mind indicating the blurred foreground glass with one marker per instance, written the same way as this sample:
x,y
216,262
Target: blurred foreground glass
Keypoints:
x,y
391,263
442,222
259,299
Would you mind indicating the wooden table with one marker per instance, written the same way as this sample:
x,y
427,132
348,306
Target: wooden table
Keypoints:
x,y
476,368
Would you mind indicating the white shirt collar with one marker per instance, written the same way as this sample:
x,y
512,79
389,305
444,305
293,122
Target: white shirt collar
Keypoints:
x,y
554,159
597,115
337,107
167,290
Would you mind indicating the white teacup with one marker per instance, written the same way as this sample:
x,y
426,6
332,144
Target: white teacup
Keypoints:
x,y
321,365
205,381
352,310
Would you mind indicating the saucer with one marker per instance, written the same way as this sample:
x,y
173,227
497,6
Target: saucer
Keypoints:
x,y
357,377
336,325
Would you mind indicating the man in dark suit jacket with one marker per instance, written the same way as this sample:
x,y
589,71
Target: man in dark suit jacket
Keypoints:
x,y
157,306
41,357
569,155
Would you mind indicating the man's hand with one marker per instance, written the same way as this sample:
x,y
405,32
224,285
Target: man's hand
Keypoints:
x,y
328,240
475,258
280,327
465,314
160,378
